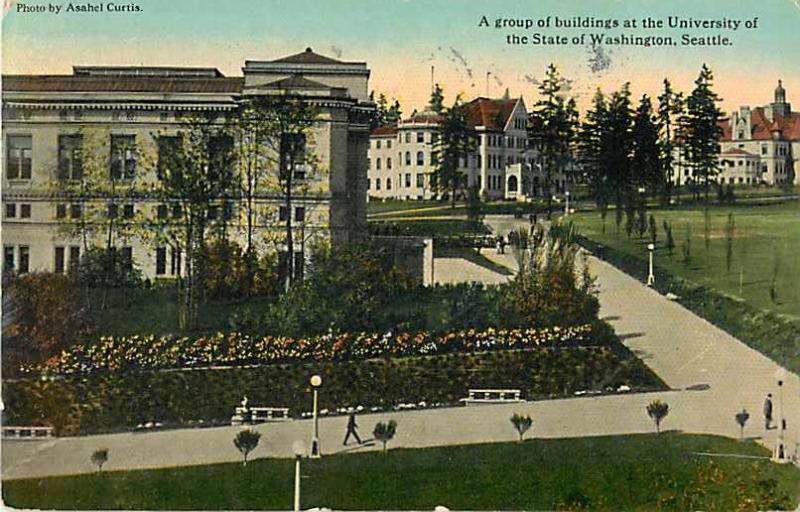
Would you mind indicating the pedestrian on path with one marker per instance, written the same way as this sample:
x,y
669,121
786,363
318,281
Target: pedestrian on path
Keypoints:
x,y
768,411
351,429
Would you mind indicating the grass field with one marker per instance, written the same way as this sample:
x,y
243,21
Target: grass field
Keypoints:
x,y
765,248
636,472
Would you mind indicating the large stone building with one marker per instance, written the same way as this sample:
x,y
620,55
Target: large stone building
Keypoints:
x,y
506,163
759,146
56,126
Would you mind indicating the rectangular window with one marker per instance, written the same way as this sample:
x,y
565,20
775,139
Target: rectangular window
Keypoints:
x,y
8,259
408,179
420,136
388,163
24,259
75,211
378,164
369,183
70,158
161,211
60,260
25,211
377,183
123,157
113,211
177,211
389,144
168,152
61,211
283,214
11,210
408,137
378,144
300,214
74,257
420,180
18,157
420,158
161,261
128,211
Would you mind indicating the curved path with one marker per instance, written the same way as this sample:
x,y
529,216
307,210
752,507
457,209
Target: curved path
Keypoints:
x,y
723,376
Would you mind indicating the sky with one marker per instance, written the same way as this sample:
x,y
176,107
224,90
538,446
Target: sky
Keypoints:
x,y
401,39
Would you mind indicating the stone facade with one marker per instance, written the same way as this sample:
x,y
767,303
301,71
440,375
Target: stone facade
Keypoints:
x,y
48,119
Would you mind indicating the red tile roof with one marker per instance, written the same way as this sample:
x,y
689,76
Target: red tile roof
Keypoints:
x,y
737,151
384,131
762,127
491,113
73,83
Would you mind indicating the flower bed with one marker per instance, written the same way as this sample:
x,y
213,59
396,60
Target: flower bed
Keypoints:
x,y
143,353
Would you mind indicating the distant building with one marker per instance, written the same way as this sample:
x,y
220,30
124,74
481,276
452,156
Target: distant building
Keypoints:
x,y
45,118
506,163
758,146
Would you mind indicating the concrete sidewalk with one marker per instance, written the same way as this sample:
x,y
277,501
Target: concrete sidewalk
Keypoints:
x,y
723,376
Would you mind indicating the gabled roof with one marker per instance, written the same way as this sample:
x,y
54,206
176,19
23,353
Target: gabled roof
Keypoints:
x,y
296,82
762,127
491,113
307,57
386,130
154,84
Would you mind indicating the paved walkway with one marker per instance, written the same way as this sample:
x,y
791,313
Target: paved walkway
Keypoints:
x,y
722,376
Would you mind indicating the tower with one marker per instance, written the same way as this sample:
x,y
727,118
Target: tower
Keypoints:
x,y
780,106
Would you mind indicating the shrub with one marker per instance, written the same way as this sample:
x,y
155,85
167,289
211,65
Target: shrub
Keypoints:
x,y
47,318
657,410
384,432
231,272
246,441
522,423
99,457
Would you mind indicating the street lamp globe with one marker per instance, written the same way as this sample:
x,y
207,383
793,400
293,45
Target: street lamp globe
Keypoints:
x,y
315,381
651,247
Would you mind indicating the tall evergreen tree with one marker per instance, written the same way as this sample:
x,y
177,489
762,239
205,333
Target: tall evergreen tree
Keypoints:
x,y
437,99
645,156
455,143
618,146
554,126
670,107
703,131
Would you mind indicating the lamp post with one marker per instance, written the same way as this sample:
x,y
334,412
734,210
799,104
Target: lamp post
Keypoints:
x,y
299,449
651,278
316,382
566,207
780,446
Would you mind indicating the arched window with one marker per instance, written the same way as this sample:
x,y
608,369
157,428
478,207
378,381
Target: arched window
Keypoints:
x,y
408,157
378,164
388,162
388,183
512,184
420,158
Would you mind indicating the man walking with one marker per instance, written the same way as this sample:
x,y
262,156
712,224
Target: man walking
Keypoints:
x,y
351,429
768,411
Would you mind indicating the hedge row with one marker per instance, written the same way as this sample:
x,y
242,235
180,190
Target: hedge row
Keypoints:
x,y
108,402
769,333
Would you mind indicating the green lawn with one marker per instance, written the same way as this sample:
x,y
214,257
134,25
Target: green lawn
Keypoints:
x,y
766,245
636,472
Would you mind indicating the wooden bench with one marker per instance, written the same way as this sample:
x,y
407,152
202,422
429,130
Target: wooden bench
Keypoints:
x,y
27,433
493,396
259,415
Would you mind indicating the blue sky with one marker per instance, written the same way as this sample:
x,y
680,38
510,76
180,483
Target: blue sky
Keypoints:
x,y
401,39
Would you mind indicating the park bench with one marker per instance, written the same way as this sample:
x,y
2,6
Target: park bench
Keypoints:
x,y
259,414
27,433
492,396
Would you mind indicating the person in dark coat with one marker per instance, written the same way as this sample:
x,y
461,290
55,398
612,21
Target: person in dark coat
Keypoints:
x,y
768,411
351,429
